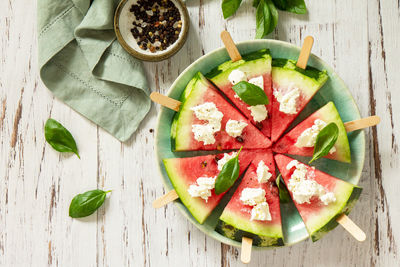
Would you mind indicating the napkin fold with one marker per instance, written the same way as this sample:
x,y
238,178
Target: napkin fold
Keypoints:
x,y
84,66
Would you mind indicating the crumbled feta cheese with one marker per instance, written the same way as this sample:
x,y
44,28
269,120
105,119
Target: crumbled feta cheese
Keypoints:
x,y
202,188
237,76
252,196
288,101
328,198
260,212
258,81
235,128
303,188
204,133
210,113
263,174
225,159
309,136
258,112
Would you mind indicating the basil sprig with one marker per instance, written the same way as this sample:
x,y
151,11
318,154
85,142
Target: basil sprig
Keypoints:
x,y
266,12
250,94
85,204
284,195
59,137
228,175
326,139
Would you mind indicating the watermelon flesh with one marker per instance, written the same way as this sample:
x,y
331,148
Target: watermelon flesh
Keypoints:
x,y
286,77
237,215
328,114
184,172
200,91
318,217
253,65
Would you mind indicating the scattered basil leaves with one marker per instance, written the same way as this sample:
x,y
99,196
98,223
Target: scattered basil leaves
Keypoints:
x,y
266,12
228,175
326,139
284,195
85,204
250,94
229,7
59,137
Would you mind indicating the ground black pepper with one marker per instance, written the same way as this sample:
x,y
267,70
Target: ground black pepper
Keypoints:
x,y
157,24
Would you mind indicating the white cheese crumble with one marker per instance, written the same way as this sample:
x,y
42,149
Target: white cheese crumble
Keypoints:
x,y
263,174
203,187
235,128
225,159
303,188
252,196
258,112
288,101
258,81
309,136
260,212
237,76
210,113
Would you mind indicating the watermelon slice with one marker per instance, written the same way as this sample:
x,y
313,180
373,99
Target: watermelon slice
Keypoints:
x,y
184,172
328,114
200,91
254,65
318,217
236,217
286,77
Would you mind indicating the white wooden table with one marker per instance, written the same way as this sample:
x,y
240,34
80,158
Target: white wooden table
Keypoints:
x,y
359,38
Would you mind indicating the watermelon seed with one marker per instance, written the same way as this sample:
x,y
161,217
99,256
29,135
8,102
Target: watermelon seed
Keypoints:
x,y
239,139
259,125
204,164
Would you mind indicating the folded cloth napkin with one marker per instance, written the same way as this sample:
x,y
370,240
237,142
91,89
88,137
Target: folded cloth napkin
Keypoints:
x,y
83,65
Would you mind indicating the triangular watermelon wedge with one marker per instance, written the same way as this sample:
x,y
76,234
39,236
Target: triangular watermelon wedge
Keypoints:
x,y
318,217
236,217
286,77
200,91
253,65
184,172
288,144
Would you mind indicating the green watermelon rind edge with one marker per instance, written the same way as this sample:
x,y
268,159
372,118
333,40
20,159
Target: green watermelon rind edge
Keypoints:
x,y
319,76
228,66
233,233
348,206
189,203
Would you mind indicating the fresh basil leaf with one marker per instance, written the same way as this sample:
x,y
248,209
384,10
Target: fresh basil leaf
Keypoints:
x,y
294,6
85,204
59,137
274,16
280,4
228,175
263,19
229,7
250,94
326,139
284,195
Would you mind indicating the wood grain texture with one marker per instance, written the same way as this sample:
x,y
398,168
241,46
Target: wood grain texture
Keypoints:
x,y
358,38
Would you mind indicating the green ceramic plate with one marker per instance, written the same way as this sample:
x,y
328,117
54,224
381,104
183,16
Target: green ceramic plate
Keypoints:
x,y
334,90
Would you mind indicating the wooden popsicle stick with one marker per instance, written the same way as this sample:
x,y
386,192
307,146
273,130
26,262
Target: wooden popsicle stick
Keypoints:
x,y
165,199
351,227
245,254
230,46
361,123
165,101
305,52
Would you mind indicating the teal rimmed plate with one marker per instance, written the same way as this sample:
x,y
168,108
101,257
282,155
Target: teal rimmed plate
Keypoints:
x,y
334,90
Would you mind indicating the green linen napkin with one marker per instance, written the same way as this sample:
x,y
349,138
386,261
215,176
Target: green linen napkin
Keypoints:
x,y
82,63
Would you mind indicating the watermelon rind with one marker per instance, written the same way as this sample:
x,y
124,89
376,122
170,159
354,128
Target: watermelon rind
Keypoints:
x,y
258,240
226,68
332,223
